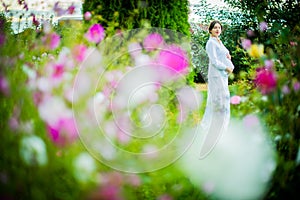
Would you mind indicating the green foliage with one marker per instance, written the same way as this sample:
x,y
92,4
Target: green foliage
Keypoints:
x,y
116,14
280,109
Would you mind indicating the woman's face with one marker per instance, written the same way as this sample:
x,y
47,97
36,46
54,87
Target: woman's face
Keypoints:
x,y
216,31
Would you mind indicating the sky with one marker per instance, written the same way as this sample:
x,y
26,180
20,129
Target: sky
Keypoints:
x,y
213,2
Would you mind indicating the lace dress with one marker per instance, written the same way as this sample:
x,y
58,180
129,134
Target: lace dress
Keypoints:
x,y
217,113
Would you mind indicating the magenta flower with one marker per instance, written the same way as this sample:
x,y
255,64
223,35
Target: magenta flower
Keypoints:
x,y
63,132
265,80
235,100
87,15
246,43
79,52
174,59
153,41
58,70
71,9
35,21
51,40
95,33
263,26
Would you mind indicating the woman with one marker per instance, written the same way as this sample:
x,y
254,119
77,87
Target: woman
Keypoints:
x,y
217,113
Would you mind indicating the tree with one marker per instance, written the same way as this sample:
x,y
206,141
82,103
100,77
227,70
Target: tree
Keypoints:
x,y
130,14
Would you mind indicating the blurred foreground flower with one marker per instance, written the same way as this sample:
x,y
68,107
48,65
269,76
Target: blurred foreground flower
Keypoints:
x,y
63,132
153,41
239,167
256,50
51,40
33,151
79,52
84,167
95,33
265,80
174,59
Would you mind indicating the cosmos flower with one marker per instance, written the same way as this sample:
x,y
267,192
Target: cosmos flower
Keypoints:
x,y
174,59
153,41
95,33
79,52
63,132
265,80
51,40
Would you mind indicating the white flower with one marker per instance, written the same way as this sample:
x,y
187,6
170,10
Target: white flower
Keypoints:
x,y
84,167
33,151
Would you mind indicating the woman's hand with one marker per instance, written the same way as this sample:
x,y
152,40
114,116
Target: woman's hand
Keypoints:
x,y
228,70
228,56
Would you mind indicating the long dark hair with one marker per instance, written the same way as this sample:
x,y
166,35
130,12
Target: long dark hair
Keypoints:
x,y
213,23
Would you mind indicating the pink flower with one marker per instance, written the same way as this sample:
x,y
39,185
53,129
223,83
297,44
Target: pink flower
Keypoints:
x,y
58,71
265,80
4,86
174,59
63,132
51,40
153,41
79,52
95,33
110,192
246,43
269,64
250,33
87,15
285,89
71,9
296,86
263,26
292,43
235,100
165,197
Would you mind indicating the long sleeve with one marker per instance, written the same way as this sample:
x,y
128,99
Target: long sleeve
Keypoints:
x,y
211,50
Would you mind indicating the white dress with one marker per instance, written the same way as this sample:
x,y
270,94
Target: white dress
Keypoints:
x,y
217,112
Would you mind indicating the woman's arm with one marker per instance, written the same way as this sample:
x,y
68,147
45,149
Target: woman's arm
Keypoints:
x,y
212,54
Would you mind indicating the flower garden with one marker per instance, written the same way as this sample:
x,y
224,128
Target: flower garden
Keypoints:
x,y
94,109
